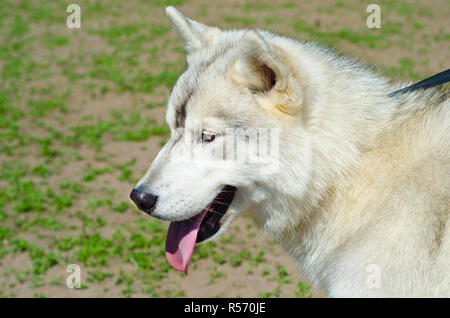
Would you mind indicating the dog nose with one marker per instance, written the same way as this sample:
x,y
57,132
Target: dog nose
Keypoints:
x,y
144,201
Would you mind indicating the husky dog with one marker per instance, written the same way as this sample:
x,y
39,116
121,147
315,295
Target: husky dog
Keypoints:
x,y
360,197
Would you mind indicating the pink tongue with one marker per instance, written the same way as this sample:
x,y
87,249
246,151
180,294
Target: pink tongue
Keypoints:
x,y
181,239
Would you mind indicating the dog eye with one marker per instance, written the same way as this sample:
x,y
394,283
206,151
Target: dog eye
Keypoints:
x,y
208,136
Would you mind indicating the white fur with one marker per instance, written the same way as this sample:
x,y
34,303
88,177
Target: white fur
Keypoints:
x,y
363,177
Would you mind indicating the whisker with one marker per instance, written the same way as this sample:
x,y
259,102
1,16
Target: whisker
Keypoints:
x,y
212,211
220,202
226,201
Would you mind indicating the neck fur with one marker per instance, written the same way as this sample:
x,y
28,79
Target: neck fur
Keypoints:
x,y
343,124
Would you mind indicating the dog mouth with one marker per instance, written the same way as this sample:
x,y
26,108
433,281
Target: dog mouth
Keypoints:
x,y
183,235
215,211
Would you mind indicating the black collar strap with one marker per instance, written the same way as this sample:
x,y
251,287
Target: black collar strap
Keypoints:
x,y
435,80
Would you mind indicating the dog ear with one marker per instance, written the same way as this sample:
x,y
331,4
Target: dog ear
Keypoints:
x,y
261,68
193,34
257,67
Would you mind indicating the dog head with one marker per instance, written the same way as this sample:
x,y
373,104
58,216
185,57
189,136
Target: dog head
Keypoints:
x,y
229,113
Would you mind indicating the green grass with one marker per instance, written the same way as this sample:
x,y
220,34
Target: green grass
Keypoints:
x,y
42,261
244,21
403,69
376,38
302,290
